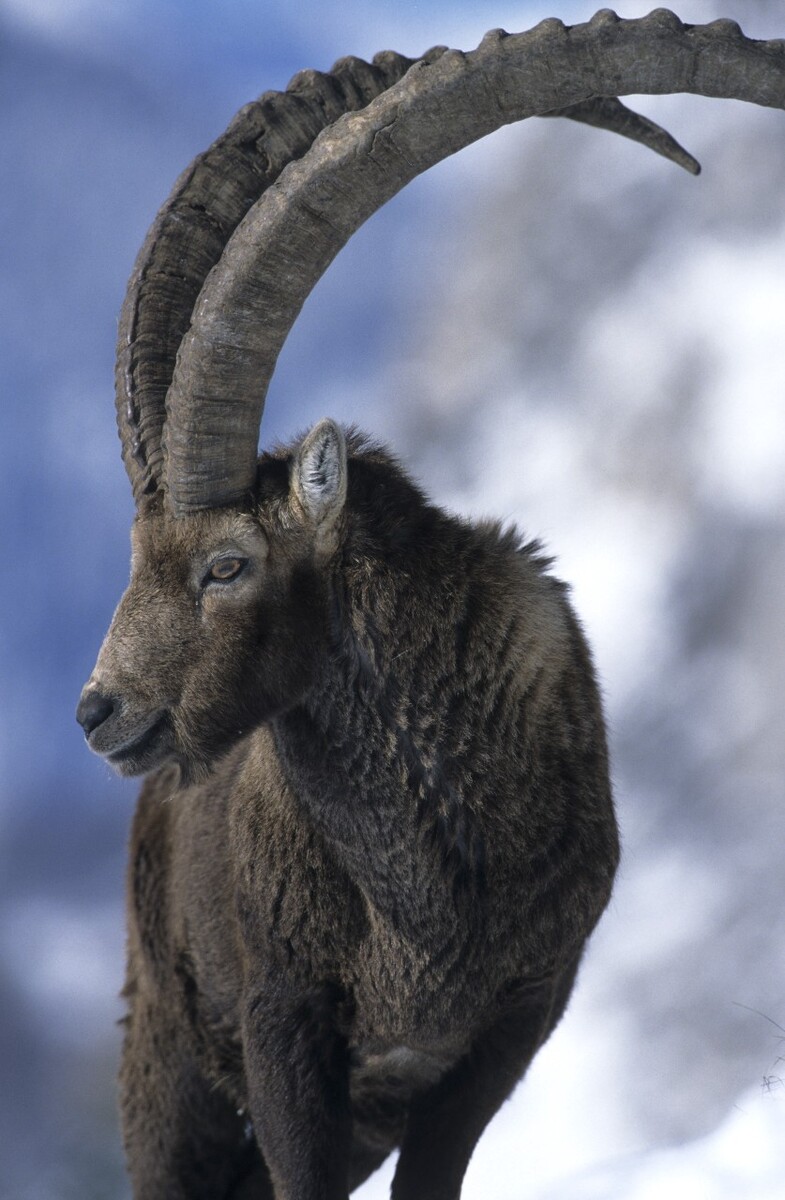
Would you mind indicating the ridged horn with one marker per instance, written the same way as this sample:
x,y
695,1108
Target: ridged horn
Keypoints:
x,y
288,238
189,233
209,200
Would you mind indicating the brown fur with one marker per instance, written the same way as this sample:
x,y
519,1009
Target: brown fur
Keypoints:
x,y
376,833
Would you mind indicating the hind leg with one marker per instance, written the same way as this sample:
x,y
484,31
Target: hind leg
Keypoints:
x,y
445,1122
377,1128
362,1164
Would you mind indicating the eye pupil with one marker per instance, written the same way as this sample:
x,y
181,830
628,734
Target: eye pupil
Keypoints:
x,y
226,568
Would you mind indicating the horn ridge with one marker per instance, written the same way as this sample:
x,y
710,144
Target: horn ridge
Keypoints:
x,y
190,231
289,237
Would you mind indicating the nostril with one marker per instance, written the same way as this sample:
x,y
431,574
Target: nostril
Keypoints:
x,y
93,710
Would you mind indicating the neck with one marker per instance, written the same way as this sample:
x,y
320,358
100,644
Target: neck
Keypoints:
x,y
366,756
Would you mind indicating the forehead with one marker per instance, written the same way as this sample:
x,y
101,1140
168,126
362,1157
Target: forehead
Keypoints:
x,y
158,533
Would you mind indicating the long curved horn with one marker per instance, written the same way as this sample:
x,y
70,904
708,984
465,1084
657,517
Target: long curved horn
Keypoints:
x,y
188,236
209,200
289,237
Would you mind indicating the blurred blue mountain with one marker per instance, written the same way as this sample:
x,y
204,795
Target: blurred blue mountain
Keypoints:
x,y
588,344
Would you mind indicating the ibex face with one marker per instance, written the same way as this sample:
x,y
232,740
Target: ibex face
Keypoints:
x,y
224,619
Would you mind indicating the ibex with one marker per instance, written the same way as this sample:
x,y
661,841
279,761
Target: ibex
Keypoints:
x,y
377,827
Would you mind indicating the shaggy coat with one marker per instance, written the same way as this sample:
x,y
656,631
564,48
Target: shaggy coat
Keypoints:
x,y
358,922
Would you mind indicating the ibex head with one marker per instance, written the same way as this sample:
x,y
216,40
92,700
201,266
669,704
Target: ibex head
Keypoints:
x,y
225,617
226,613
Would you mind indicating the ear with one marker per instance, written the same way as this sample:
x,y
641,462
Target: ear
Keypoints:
x,y
319,474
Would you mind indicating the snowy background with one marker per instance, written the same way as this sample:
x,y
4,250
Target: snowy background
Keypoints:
x,y
557,328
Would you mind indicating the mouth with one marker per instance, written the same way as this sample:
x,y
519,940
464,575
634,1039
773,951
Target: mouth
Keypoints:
x,y
145,750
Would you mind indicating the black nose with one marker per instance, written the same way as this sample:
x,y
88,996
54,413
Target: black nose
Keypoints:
x,y
92,711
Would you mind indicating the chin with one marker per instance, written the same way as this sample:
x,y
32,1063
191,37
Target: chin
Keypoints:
x,y
131,766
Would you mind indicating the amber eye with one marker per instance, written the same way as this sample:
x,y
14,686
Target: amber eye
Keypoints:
x,y
224,569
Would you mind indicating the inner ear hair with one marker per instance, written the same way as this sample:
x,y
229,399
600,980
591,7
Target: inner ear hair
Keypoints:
x,y
319,473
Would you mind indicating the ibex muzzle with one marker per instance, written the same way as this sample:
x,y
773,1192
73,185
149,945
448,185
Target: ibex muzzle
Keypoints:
x,y
391,829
